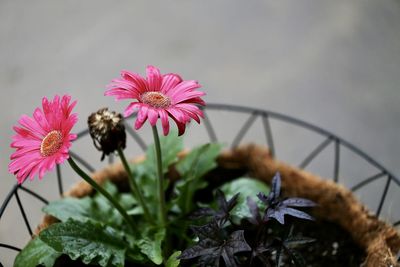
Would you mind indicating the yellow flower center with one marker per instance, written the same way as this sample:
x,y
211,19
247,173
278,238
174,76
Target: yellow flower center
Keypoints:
x,y
156,99
51,143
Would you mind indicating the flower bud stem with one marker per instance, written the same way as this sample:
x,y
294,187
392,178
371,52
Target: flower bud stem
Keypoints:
x,y
102,191
134,187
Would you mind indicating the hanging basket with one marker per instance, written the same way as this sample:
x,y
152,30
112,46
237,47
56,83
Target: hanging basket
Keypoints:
x,y
337,204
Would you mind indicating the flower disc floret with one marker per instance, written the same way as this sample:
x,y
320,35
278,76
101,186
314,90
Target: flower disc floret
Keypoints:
x,y
42,141
51,143
156,99
159,96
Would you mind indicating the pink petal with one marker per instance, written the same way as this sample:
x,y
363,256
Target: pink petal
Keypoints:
x,y
191,110
68,124
31,125
184,86
169,81
178,115
28,169
154,78
71,106
131,108
22,162
22,142
187,96
23,150
141,117
41,119
181,126
125,85
47,110
138,124
61,158
139,81
153,116
20,178
72,137
65,105
119,93
33,172
24,133
164,121
196,100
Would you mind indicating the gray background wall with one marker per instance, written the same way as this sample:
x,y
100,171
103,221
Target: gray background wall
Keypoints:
x,y
333,63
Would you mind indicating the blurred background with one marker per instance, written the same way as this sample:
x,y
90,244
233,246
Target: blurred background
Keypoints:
x,y
335,64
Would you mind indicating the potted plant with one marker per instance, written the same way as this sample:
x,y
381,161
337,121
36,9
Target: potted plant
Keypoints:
x,y
201,207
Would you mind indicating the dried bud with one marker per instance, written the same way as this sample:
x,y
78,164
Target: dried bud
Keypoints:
x,y
107,131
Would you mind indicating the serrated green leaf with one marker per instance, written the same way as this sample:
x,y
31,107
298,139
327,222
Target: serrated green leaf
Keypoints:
x,y
89,241
150,244
36,253
247,187
66,208
172,260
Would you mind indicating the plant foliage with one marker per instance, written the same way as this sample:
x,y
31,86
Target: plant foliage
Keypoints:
x,y
91,242
277,207
236,229
221,240
36,253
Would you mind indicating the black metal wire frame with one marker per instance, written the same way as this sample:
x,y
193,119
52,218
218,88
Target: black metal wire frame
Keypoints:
x,y
253,113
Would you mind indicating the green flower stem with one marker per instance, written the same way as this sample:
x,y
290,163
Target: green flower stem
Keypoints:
x,y
100,189
135,189
161,194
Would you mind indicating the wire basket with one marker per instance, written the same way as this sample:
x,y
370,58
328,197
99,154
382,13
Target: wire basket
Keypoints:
x,y
314,144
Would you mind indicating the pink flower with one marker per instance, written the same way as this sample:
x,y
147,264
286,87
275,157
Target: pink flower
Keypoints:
x,y
44,140
159,96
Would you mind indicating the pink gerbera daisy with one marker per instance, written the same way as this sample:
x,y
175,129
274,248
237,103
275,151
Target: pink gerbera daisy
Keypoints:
x,y
159,96
43,140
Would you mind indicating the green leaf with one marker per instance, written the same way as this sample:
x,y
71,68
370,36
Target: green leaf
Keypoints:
x,y
150,244
66,208
247,187
192,168
172,260
92,242
110,188
103,211
36,253
199,161
96,208
171,145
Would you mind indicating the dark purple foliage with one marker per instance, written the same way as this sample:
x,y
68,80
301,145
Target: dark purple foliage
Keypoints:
x,y
277,207
287,246
254,211
213,246
220,240
224,207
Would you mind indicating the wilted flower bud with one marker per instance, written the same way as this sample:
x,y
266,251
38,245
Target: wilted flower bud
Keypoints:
x,y
107,131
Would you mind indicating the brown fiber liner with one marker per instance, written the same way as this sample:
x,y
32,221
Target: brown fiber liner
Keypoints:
x,y
336,203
